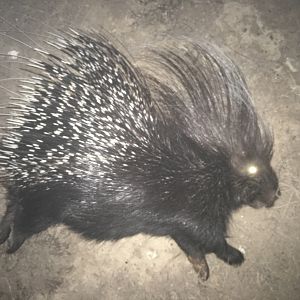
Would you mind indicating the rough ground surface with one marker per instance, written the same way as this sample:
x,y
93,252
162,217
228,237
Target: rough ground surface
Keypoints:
x,y
263,38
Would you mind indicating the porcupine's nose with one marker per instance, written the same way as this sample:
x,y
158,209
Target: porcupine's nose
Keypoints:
x,y
277,194
273,198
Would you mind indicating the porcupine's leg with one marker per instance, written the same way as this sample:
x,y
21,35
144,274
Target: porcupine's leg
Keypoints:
x,y
194,255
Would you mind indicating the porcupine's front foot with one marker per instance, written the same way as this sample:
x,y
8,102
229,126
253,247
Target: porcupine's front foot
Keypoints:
x,y
194,255
229,254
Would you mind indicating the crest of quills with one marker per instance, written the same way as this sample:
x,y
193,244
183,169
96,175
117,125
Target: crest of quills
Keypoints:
x,y
170,148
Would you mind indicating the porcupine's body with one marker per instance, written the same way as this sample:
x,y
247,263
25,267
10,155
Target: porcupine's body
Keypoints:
x,y
111,152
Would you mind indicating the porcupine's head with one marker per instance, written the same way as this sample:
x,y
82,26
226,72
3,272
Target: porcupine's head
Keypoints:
x,y
205,92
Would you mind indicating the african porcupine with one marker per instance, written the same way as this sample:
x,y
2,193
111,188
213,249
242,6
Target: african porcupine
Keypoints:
x,y
111,150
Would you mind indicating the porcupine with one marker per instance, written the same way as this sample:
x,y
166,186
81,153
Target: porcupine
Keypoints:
x,y
112,150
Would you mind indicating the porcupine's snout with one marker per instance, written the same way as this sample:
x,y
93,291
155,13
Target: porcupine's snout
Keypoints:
x,y
272,198
269,192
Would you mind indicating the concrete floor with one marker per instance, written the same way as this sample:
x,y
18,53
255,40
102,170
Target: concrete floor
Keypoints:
x,y
263,37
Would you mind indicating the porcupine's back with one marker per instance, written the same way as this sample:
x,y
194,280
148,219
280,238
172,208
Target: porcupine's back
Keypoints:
x,y
83,109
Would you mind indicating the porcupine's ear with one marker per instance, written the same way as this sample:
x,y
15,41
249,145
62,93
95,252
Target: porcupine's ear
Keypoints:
x,y
238,161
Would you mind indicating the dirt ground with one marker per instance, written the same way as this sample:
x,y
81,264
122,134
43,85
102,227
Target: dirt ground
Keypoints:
x,y
263,37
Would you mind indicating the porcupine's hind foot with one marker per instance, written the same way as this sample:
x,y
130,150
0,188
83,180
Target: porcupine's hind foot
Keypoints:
x,y
200,266
33,212
9,231
194,254
4,230
6,223
15,241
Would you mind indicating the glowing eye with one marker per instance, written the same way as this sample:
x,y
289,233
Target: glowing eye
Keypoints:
x,y
252,170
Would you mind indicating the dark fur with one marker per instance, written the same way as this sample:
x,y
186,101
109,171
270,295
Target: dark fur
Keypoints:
x,y
183,180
